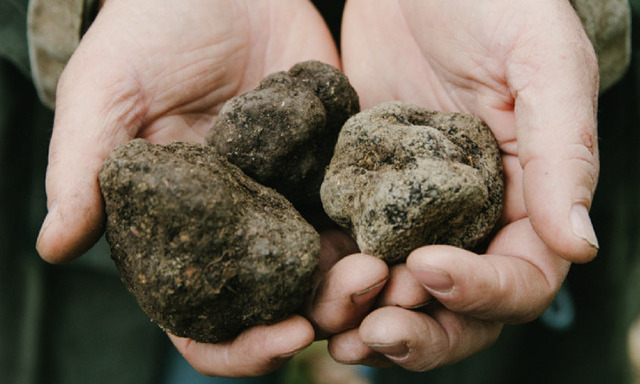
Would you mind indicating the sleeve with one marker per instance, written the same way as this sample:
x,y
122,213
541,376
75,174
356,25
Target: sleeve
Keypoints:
x,y
608,25
54,29
13,39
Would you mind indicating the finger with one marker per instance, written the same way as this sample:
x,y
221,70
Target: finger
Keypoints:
x,y
403,290
514,283
87,127
334,245
420,342
257,351
347,293
555,109
348,348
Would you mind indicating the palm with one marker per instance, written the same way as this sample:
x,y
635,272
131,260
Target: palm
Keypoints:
x,y
159,71
168,70
460,56
162,71
459,71
527,70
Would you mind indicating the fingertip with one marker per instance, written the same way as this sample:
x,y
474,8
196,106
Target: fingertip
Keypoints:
x,y
513,283
357,277
462,281
396,334
557,196
558,149
419,342
269,346
433,255
583,229
181,343
348,348
385,325
295,333
403,290
256,351
68,232
198,355
556,126
358,260
347,293
262,349
445,272
76,216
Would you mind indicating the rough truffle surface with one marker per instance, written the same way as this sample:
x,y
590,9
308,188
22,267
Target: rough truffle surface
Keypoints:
x,y
283,133
206,251
403,177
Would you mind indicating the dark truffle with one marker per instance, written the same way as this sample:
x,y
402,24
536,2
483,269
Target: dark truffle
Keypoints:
x,y
206,251
403,177
283,133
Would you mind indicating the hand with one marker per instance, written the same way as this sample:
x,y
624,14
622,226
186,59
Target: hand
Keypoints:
x,y
341,305
257,351
530,72
161,71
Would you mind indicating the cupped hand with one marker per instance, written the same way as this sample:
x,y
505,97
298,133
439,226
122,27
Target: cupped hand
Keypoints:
x,y
161,70
527,69
345,291
257,351
530,72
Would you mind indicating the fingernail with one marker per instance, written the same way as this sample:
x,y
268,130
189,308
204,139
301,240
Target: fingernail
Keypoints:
x,y
435,280
287,356
365,296
420,305
581,224
397,351
46,223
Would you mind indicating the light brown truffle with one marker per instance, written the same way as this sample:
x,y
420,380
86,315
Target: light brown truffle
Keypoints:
x,y
403,177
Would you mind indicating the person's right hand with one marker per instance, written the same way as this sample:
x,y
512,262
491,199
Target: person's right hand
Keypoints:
x,y
161,70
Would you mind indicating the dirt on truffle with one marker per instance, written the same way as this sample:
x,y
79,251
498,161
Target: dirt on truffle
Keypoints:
x,y
283,133
403,177
206,251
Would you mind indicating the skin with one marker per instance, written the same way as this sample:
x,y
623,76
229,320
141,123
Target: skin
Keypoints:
x,y
162,70
527,69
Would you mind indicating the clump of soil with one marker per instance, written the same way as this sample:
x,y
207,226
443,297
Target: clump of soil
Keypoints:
x,y
403,177
283,133
206,251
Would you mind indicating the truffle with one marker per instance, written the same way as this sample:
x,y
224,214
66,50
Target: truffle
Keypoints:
x,y
206,251
403,177
283,133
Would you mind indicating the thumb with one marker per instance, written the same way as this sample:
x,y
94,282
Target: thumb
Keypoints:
x,y
555,110
92,104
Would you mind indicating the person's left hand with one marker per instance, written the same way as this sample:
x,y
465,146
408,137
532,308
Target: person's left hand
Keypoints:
x,y
530,72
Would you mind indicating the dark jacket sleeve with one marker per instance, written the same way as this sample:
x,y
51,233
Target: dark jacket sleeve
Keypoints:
x,y
13,33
